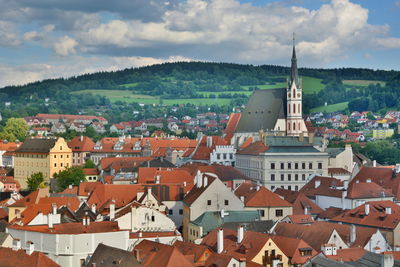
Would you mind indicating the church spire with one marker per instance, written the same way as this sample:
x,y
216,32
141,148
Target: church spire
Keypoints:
x,y
294,76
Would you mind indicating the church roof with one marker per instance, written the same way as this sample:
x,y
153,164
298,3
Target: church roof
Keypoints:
x,y
264,108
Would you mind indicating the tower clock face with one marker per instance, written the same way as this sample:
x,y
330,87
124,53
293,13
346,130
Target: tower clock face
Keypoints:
x,y
298,94
290,95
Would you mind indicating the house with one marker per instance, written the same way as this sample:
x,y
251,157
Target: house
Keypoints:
x,y
70,244
39,131
78,127
270,205
58,128
7,147
382,133
377,215
264,249
199,253
98,127
208,194
211,220
34,120
85,119
8,184
81,147
48,156
342,236
91,174
341,158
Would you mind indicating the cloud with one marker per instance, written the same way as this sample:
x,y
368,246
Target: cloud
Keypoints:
x,y
37,36
390,43
75,65
65,46
8,37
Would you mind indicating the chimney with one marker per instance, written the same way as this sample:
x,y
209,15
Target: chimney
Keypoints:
x,y
148,192
374,163
301,137
209,141
242,198
158,179
30,248
50,220
369,180
205,181
112,210
81,138
184,184
220,241
16,244
311,138
353,234
307,210
84,221
366,209
388,210
199,180
70,186
317,183
240,234
258,188
345,184
387,260
94,208
54,208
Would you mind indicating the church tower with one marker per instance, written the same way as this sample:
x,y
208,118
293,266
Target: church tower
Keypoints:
x,y
294,121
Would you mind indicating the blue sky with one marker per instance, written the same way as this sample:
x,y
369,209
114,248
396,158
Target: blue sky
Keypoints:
x,y
56,38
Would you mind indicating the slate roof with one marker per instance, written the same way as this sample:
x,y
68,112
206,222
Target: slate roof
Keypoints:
x,y
262,111
37,145
210,220
255,226
107,256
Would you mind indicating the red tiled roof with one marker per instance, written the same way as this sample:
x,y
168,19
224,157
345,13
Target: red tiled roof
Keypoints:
x,y
224,173
152,234
8,146
32,198
327,187
71,228
105,163
197,191
231,125
377,216
121,194
85,188
301,218
155,254
187,248
166,176
302,202
203,151
254,149
367,190
81,144
90,171
17,258
338,171
347,254
259,198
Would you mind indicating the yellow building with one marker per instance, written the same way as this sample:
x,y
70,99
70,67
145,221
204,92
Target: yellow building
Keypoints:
x,y
48,156
382,133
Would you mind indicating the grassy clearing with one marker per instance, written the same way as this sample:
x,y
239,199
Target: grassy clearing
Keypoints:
x,y
331,108
362,82
129,85
312,85
207,93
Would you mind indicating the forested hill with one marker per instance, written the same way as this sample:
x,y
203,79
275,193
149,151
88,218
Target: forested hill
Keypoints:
x,y
216,85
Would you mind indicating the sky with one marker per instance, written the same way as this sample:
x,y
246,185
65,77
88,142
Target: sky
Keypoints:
x,y
42,39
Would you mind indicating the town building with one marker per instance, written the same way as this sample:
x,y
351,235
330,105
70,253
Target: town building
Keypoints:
x,y
48,156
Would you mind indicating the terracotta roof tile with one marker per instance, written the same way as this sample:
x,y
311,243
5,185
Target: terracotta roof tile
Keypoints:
x,y
261,197
224,173
301,218
187,248
348,254
197,191
367,190
16,258
81,144
254,149
90,171
71,228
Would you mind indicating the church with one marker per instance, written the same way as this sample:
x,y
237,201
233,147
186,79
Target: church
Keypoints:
x,y
276,112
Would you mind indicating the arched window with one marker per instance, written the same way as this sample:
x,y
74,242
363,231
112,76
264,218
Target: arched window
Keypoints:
x,y
298,110
294,108
299,126
288,126
294,93
294,126
289,108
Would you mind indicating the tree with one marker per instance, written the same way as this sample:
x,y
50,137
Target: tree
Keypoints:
x,y
69,176
89,164
15,128
35,181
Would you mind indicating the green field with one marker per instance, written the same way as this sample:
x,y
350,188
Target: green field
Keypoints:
x,y
207,93
331,108
129,85
362,82
312,85
128,96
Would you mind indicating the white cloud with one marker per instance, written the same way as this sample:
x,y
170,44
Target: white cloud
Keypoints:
x,y
388,42
65,46
8,36
23,74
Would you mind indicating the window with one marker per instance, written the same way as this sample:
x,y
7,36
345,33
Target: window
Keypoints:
x,y
296,188
303,165
226,202
170,212
61,164
152,218
273,166
272,177
60,147
310,165
55,164
282,177
289,187
61,156
180,211
262,213
55,156
279,213
67,156
289,165
282,165
296,177
231,156
289,177
209,202
82,262
272,188
296,165
218,156
224,155
319,165
303,177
